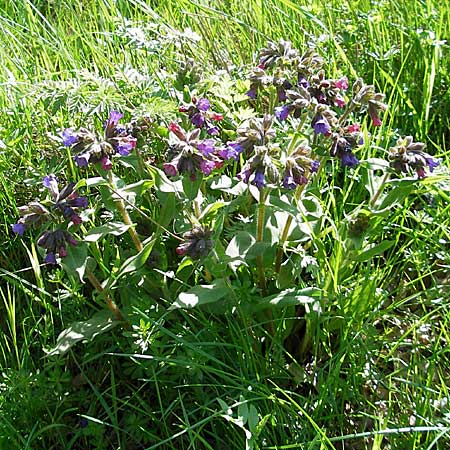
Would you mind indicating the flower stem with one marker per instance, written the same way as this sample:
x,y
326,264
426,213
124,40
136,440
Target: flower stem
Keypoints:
x,y
377,194
286,228
109,301
259,238
126,217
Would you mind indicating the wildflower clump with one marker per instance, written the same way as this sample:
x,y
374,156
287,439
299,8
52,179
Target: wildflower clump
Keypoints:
x,y
57,212
90,148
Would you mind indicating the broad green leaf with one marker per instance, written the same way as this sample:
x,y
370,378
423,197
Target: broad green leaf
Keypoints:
x,y
114,228
212,209
374,251
202,295
99,323
290,297
137,188
191,187
168,210
400,190
163,183
238,247
253,419
243,411
76,260
135,262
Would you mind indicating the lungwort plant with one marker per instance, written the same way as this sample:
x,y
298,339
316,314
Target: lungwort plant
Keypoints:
x,y
235,217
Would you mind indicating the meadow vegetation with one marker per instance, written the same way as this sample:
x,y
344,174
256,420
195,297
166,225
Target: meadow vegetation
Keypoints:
x,y
253,255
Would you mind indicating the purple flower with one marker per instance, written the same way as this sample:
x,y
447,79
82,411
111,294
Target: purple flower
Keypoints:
x,y
170,169
315,166
420,172
82,160
106,163
321,125
432,163
79,202
19,228
302,81
70,137
203,104
232,150
245,175
282,112
258,180
207,166
198,120
75,219
51,183
288,181
342,83
206,147
213,131
252,93
348,159
113,120
126,145
339,101
281,94
50,258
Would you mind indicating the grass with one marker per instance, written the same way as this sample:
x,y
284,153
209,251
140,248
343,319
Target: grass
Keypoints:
x,y
378,375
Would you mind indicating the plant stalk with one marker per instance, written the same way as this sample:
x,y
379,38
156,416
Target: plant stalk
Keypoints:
x,y
126,217
377,194
259,238
109,301
285,233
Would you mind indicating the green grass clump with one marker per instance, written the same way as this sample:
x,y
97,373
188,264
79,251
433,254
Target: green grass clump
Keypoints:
x,y
377,374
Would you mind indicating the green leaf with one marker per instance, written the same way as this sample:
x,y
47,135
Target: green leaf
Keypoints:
x,y
243,411
76,260
374,251
137,188
238,247
210,211
99,323
290,297
168,210
136,262
400,190
162,182
191,187
114,228
202,295
253,418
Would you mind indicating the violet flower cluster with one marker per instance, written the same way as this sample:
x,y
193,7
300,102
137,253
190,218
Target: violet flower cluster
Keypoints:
x,y
62,208
201,115
304,92
88,148
409,156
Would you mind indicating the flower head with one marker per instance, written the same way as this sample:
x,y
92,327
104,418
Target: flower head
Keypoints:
x,y
197,243
55,243
70,137
321,125
19,228
408,155
201,116
90,148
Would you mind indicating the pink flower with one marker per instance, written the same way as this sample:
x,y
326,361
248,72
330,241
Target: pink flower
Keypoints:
x,y
354,128
342,83
106,163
